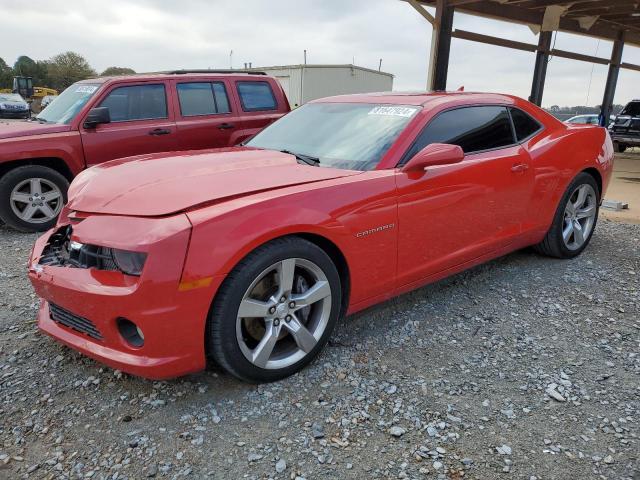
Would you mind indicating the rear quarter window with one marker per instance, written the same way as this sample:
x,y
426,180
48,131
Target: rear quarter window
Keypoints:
x,y
256,96
525,125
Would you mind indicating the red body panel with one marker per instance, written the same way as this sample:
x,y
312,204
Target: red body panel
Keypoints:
x,y
78,148
397,231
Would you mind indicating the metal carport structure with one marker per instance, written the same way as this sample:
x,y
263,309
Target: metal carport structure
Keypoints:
x,y
614,20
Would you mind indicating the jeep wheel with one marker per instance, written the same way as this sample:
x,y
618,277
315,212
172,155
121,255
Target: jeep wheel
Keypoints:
x,y
31,197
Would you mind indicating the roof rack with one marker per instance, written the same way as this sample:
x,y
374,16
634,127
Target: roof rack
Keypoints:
x,y
184,72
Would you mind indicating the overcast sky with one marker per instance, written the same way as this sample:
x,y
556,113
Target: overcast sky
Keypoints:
x,y
151,35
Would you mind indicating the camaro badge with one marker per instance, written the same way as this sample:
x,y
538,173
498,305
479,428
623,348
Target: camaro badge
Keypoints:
x,y
375,230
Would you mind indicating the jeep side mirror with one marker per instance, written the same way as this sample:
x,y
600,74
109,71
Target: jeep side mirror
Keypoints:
x,y
434,154
96,116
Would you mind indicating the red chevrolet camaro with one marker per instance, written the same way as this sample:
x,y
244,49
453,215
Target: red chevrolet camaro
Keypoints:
x,y
250,255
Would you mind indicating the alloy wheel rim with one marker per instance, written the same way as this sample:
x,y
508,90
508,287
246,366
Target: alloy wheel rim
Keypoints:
x,y
579,217
36,200
283,314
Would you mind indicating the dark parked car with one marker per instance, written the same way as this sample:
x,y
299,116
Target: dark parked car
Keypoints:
x,y
625,130
12,105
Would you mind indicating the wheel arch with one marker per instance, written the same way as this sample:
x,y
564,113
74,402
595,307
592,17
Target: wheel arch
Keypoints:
x,y
55,163
596,176
339,260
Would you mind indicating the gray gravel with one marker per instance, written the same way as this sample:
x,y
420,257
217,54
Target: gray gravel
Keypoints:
x,y
526,367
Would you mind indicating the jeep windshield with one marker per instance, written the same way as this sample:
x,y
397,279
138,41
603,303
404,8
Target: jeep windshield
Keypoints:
x,y
66,105
353,136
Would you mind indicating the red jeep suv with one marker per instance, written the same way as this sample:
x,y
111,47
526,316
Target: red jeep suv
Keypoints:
x,y
102,119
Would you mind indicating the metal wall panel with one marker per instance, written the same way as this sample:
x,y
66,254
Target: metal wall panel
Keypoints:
x,y
317,81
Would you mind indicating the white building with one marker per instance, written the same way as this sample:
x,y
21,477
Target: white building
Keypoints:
x,y
303,83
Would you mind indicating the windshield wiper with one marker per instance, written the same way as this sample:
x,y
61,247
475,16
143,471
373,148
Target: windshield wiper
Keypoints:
x,y
306,159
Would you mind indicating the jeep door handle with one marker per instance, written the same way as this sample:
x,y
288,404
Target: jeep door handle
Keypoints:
x,y
226,126
520,167
159,131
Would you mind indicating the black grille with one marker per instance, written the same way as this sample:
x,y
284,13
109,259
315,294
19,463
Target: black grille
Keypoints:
x,y
60,252
77,323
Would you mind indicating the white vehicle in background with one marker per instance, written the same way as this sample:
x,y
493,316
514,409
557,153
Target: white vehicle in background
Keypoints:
x,y
12,105
46,100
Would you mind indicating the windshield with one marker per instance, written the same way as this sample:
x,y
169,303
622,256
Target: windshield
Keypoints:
x,y
352,136
65,106
632,109
10,97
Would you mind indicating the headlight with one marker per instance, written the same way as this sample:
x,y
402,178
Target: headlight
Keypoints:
x,y
128,262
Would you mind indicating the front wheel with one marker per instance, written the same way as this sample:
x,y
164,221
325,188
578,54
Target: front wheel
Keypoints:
x,y
275,311
31,197
575,219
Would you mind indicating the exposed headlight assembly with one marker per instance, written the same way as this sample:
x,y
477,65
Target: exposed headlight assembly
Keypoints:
x,y
128,262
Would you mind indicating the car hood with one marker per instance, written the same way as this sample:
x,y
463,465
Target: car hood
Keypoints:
x,y
23,129
163,184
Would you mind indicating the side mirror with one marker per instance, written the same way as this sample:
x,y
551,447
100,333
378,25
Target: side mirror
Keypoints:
x,y
434,154
96,116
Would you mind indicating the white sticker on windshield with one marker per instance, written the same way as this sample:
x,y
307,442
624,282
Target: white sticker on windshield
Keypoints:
x,y
86,89
392,111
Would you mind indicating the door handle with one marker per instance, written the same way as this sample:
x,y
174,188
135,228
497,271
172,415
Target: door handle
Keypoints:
x,y
159,131
226,126
520,167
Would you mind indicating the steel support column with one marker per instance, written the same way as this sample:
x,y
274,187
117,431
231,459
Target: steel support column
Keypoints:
x,y
440,46
612,80
540,70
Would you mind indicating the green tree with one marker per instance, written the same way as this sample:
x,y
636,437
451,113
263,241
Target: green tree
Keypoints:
x,y
27,67
67,68
115,71
6,75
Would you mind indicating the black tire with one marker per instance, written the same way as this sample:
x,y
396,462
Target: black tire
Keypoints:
x,y
221,342
553,244
620,147
13,178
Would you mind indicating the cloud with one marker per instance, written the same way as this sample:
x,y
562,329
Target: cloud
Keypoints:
x,y
151,35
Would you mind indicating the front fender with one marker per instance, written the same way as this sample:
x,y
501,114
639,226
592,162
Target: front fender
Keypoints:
x,y
66,146
224,234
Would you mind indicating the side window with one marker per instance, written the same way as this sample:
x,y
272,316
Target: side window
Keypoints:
x,y
472,128
139,102
524,124
256,96
202,98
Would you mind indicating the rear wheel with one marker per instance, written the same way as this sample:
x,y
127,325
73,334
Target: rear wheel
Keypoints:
x,y
31,197
574,221
275,311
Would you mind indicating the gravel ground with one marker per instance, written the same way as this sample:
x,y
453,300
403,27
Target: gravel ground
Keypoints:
x,y
526,367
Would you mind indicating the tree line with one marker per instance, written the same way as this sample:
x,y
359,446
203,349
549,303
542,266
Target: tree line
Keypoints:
x,y
58,72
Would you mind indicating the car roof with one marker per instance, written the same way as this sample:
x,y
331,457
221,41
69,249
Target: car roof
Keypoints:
x,y
423,98
177,75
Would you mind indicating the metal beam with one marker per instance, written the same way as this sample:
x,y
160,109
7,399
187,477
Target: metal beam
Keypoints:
x,y
612,79
490,40
441,46
420,9
540,70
